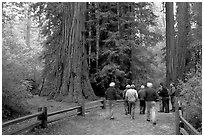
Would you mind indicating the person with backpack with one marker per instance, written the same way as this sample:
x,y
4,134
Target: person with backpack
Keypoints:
x,y
141,95
126,105
131,96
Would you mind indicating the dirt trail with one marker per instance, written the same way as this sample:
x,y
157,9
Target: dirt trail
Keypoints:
x,y
96,122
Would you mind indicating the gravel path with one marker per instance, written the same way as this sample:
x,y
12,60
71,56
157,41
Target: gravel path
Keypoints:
x,y
96,122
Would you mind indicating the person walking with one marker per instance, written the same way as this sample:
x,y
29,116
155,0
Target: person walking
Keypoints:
x,y
172,96
151,96
126,105
111,96
165,98
132,96
141,95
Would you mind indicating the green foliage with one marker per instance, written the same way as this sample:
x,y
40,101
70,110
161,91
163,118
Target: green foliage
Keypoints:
x,y
126,30
191,92
19,61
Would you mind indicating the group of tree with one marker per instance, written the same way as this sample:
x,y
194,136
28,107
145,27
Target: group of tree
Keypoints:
x,y
113,40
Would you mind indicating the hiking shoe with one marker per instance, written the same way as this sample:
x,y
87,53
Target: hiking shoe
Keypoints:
x,y
160,111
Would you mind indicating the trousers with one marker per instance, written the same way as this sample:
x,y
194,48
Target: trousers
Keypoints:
x,y
151,110
111,107
142,106
132,105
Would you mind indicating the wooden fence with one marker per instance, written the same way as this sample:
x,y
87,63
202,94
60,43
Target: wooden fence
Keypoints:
x,y
42,116
183,127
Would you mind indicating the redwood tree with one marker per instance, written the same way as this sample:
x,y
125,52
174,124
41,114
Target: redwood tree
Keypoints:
x,y
66,68
170,44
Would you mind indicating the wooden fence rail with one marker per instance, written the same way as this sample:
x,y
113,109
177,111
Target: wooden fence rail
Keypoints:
x,y
42,116
183,127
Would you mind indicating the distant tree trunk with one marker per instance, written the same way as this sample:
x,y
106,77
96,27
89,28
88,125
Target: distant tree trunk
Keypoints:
x,y
97,35
170,44
89,37
72,78
28,25
118,14
182,43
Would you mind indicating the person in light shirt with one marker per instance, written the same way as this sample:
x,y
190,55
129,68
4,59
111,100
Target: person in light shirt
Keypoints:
x,y
131,97
126,105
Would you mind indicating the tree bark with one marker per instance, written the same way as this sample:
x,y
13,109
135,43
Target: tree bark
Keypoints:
x,y
182,43
170,45
72,77
97,35
28,24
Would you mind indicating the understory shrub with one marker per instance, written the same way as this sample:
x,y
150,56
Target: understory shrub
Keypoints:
x,y
191,93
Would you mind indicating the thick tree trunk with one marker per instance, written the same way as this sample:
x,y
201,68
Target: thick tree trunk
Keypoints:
x,y
72,78
170,45
183,29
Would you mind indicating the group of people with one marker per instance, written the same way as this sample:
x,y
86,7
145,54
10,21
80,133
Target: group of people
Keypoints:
x,y
147,97
166,95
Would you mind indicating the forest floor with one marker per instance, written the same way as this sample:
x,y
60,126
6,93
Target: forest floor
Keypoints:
x,y
96,122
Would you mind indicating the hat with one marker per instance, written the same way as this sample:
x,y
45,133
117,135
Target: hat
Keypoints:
x,y
142,86
112,84
149,85
132,86
128,86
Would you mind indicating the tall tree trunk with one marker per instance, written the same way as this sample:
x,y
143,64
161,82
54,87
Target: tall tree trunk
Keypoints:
x,y
118,14
170,44
97,34
89,36
182,43
28,24
72,78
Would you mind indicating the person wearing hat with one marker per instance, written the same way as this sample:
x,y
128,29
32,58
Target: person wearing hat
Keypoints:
x,y
141,95
126,105
151,96
111,96
132,96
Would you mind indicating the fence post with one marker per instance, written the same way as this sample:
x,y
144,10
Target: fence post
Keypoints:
x,y
104,103
44,117
82,108
177,119
40,116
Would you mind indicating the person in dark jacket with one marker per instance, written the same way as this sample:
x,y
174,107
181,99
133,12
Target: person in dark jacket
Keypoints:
x,y
126,105
165,98
151,96
111,96
141,95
